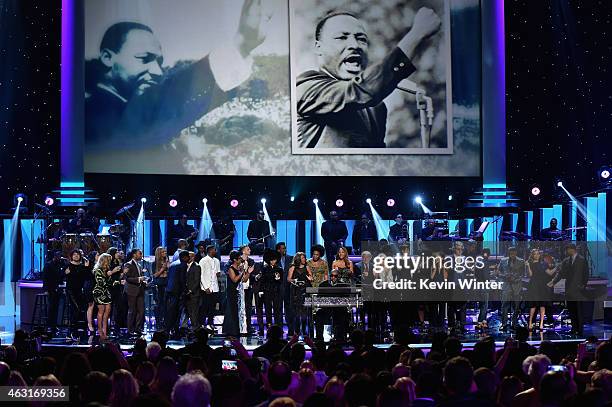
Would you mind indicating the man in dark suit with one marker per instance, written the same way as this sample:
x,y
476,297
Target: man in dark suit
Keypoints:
x,y
364,232
511,271
53,276
285,262
575,270
340,105
334,234
177,284
131,97
134,289
193,291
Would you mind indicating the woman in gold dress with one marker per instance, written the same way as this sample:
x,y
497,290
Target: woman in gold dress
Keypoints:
x,y
317,265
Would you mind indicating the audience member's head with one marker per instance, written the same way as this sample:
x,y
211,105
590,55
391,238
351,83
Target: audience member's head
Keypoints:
x,y
124,388
191,390
145,373
279,376
534,367
275,333
334,389
282,402
458,376
153,351
486,382
452,347
359,391
96,388
400,370
16,379
603,356
509,387
602,379
392,397
306,385
74,369
408,388
554,388
47,381
5,372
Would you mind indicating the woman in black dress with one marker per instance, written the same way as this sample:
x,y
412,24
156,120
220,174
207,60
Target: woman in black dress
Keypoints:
x,y
76,273
271,280
234,311
117,310
537,291
300,277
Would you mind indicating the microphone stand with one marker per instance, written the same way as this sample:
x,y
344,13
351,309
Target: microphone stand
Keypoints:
x,y
424,105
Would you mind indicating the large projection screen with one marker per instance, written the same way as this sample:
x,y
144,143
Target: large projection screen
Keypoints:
x,y
167,92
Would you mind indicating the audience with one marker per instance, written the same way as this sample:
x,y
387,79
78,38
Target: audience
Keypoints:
x,y
281,373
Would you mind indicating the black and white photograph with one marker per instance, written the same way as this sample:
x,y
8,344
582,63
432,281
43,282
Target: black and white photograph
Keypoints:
x,y
371,77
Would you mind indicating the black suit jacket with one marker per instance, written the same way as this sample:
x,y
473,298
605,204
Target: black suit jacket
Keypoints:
x,y
576,276
194,275
177,278
132,286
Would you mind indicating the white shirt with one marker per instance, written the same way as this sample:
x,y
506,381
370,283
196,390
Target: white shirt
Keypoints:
x,y
210,267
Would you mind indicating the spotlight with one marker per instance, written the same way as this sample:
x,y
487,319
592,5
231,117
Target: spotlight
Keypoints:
x,y
315,201
390,202
49,201
418,200
173,203
339,203
604,176
204,200
535,190
450,197
368,201
292,199
113,198
20,199
143,200
560,184
263,200
234,203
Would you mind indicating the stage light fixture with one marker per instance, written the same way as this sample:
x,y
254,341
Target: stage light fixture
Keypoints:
x,y
560,184
604,176
368,201
20,199
143,200
418,200
114,198
390,202
204,200
263,201
292,199
339,203
450,197
49,201
234,203
315,201
535,190
173,203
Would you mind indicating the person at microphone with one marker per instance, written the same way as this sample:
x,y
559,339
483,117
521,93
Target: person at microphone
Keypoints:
x,y
340,105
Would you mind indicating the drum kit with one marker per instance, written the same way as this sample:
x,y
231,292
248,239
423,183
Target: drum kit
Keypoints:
x,y
57,240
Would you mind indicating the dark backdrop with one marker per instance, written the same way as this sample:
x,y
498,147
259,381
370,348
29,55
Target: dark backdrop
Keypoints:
x,y
559,104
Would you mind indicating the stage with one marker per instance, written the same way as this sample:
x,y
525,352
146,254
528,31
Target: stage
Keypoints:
x,y
420,339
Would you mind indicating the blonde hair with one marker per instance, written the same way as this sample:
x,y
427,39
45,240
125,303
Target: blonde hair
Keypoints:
x,y
104,259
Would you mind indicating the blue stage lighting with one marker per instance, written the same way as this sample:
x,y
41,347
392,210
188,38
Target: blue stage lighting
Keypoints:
x,y
418,200
143,200
368,201
315,201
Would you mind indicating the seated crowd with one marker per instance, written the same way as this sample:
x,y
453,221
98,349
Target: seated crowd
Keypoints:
x,y
296,373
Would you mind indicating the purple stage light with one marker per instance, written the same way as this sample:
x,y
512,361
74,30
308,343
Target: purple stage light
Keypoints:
x,y
339,203
535,191
49,201
173,203
390,202
234,203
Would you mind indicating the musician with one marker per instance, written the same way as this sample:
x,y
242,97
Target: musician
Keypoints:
x,y
53,277
457,310
160,278
484,274
201,250
317,265
344,266
551,232
429,231
251,289
300,277
285,262
398,232
258,232
116,289
224,230
575,269
334,233
271,281
76,273
192,292
511,270
135,289
182,245
177,284
81,223
183,230
209,284
365,231
338,316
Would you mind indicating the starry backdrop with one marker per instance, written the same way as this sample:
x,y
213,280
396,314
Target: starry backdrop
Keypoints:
x,y
559,101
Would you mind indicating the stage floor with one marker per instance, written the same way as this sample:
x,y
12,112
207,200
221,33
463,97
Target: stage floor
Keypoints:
x,y
8,325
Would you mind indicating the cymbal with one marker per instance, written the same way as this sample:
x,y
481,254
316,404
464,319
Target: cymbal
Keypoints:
x,y
576,228
125,208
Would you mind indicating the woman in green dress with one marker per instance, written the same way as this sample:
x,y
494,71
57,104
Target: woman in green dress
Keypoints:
x,y
101,292
317,265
